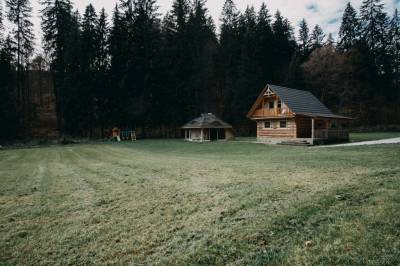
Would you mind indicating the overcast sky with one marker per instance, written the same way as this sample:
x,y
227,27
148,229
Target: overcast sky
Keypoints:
x,y
326,13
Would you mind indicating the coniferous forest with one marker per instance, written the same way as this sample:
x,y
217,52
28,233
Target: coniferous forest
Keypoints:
x,y
137,69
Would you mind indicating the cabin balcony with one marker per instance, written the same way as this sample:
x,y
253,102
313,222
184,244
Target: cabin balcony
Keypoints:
x,y
276,112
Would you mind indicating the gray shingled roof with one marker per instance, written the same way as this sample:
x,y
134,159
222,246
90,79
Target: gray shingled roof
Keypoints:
x,y
206,121
303,102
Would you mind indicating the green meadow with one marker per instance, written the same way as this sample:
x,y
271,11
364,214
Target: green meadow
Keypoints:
x,y
170,202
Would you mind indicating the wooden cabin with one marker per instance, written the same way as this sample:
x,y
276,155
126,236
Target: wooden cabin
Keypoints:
x,y
208,127
286,116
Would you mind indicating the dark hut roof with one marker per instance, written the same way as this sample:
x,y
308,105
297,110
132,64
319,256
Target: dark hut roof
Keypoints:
x,y
206,121
303,102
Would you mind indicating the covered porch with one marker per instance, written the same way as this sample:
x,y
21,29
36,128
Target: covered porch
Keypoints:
x,y
323,129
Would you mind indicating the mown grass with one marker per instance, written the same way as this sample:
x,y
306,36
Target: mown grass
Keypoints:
x,y
356,137
170,202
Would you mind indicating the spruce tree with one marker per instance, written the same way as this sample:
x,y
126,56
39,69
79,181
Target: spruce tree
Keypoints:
x,y
8,108
102,40
317,37
373,21
177,61
19,13
57,22
304,39
117,52
101,68
228,58
349,32
203,47
264,43
283,49
394,50
249,70
89,38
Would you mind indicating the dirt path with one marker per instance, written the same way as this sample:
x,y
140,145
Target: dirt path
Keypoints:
x,y
373,142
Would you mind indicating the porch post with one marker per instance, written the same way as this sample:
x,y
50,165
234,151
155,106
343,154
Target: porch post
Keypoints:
x,y
202,134
312,131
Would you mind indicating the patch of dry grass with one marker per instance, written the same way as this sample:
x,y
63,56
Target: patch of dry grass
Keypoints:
x,y
172,202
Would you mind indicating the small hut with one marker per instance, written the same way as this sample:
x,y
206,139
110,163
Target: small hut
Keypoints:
x,y
208,127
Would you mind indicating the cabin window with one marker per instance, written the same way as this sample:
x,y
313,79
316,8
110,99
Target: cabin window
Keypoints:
x,y
283,124
271,105
267,124
279,104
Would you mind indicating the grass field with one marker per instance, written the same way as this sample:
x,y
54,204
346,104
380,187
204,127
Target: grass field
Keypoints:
x,y
175,203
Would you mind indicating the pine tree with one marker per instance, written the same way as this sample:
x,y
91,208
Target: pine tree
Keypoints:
x,y
283,48
57,22
8,108
394,50
373,21
102,65
317,37
118,61
177,61
180,13
264,43
349,32
19,13
304,39
89,39
249,71
228,58
203,46
102,40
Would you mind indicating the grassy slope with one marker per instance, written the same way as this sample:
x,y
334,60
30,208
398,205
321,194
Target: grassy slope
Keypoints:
x,y
172,202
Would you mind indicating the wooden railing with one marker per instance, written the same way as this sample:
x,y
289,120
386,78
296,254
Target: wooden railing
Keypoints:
x,y
331,134
265,112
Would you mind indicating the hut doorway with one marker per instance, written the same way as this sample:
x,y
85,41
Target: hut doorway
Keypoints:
x,y
217,134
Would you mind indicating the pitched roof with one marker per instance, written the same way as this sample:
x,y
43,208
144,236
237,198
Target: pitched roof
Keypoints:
x,y
207,121
302,102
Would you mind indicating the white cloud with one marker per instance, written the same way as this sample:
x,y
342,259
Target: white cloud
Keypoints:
x,y
326,13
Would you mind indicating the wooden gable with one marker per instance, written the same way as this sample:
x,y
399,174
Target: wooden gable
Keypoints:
x,y
268,94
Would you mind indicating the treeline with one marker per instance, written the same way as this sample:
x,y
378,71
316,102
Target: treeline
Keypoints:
x,y
137,69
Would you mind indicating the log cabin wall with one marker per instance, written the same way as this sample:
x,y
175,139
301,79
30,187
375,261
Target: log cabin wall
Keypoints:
x,y
275,131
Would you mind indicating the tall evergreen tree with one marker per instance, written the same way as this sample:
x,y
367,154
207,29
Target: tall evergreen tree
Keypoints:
x,y
57,21
394,50
228,58
373,21
304,38
19,12
102,66
265,41
374,32
89,39
203,46
8,108
102,40
177,60
284,47
349,29
317,37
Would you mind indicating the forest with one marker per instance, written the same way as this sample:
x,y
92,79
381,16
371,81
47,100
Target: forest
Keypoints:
x,y
135,68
